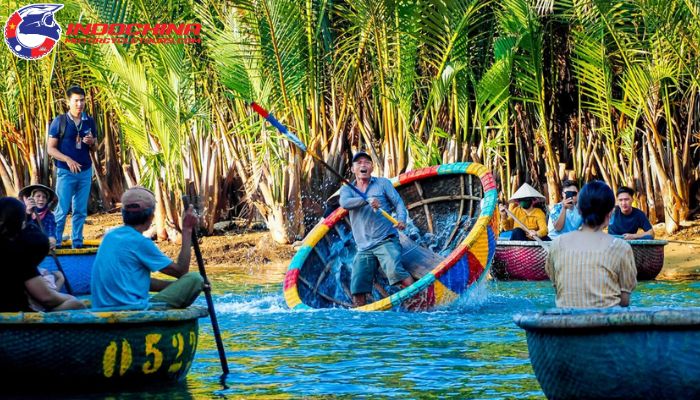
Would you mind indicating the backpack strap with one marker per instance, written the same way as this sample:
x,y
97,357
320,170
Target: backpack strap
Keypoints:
x,y
62,121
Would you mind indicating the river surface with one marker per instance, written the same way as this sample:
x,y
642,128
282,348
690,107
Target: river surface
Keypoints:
x,y
470,350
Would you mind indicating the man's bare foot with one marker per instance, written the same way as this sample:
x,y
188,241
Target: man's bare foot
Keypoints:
x,y
359,300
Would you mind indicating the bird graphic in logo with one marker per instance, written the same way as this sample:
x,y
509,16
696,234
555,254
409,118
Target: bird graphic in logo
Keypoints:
x,y
31,32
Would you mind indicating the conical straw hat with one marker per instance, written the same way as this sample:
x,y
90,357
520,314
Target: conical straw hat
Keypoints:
x,y
526,191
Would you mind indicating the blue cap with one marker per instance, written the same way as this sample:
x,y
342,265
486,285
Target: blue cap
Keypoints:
x,y
361,154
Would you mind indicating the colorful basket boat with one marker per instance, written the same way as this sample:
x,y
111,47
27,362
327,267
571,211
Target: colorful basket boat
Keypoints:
x,y
616,353
523,260
453,203
520,260
80,349
77,265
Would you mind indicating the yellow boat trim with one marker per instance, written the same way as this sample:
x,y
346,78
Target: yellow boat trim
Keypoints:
x,y
316,234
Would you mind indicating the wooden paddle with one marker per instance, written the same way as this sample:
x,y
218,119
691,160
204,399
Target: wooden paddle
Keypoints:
x,y
522,225
207,291
415,265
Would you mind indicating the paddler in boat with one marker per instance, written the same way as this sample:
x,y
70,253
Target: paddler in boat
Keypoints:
x,y
376,238
522,207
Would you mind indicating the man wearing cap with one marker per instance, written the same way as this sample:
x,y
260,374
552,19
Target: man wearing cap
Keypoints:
x,y
376,238
525,213
121,274
38,198
71,138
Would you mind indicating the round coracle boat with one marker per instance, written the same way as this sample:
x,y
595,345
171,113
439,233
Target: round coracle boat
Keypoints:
x,y
616,353
76,264
115,349
525,260
451,209
520,260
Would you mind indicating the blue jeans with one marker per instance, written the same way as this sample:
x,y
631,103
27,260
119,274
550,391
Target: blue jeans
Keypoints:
x,y
73,191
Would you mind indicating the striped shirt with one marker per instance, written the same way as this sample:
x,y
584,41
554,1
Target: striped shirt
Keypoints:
x,y
593,277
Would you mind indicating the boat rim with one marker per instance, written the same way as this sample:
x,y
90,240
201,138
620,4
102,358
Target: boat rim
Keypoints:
x,y
93,317
613,317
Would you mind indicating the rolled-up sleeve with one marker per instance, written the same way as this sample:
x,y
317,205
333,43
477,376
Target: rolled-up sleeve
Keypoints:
x,y
396,200
628,270
348,200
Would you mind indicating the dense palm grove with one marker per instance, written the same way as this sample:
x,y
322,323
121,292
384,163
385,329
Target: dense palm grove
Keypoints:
x,y
538,91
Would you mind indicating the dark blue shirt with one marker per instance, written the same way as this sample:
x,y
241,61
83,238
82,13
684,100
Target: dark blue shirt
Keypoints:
x,y
621,223
67,145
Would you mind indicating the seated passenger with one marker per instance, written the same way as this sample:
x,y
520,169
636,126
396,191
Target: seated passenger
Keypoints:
x,y
525,211
22,249
38,199
565,216
121,274
627,220
589,268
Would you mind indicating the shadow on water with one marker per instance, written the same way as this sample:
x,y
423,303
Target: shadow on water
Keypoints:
x,y
470,349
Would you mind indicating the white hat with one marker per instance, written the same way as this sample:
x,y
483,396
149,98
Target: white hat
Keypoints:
x,y
526,191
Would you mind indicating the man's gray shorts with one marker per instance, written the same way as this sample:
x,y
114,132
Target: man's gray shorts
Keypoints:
x,y
388,254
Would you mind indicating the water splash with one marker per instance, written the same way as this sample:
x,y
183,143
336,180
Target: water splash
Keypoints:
x,y
238,304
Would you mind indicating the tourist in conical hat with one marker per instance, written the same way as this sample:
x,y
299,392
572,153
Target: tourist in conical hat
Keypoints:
x,y
522,207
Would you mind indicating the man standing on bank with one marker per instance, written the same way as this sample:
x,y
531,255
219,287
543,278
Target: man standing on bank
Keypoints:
x,y
376,238
71,138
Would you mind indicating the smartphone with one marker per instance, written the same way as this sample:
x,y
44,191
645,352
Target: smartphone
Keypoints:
x,y
569,194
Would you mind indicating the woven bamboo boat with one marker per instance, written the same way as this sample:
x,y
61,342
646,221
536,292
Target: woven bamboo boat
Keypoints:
x,y
518,260
617,353
77,265
648,257
524,260
81,349
453,204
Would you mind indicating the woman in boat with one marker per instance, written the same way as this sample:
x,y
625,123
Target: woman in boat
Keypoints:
x,y
38,199
22,248
589,268
523,211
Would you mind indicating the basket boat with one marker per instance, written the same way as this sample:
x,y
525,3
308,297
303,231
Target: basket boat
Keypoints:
x,y
524,260
453,204
77,265
616,353
81,349
520,260
648,257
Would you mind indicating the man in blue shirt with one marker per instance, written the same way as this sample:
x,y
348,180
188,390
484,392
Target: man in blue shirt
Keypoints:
x,y
565,216
71,138
376,238
121,274
627,220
